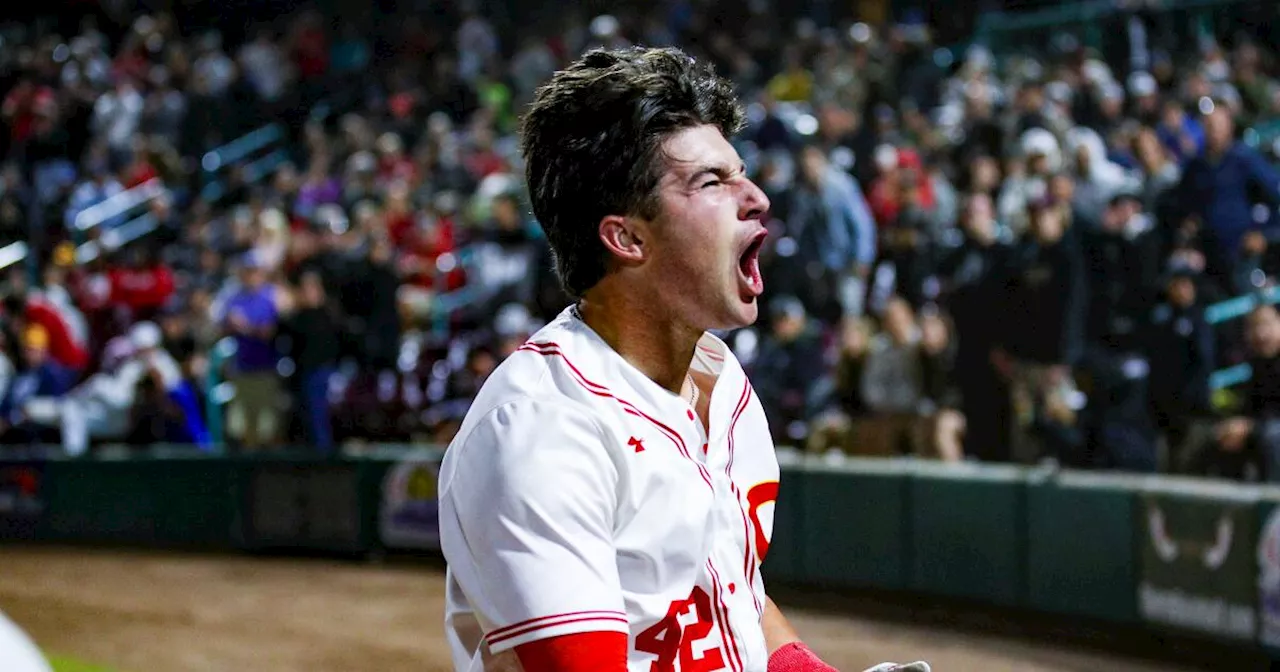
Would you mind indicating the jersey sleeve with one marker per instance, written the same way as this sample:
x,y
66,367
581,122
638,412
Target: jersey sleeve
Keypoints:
x,y
527,519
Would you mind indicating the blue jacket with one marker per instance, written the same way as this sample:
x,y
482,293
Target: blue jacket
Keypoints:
x,y
47,380
834,225
1224,193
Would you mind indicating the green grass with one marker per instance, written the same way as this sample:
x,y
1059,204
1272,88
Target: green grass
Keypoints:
x,y
63,664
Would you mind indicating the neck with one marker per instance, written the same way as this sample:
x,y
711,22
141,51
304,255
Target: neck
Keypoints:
x,y
643,334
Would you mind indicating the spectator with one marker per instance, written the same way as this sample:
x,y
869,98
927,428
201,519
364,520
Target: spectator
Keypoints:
x,y
251,316
99,186
141,285
834,234
1180,133
787,372
1247,444
900,366
1180,345
973,275
57,333
1045,300
1159,171
176,417
370,296
893,387
101,407
41,379
1219,186
314,330
1122,262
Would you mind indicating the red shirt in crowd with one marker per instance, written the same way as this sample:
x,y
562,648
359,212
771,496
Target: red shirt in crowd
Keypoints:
x,y
885,197
63,347
311,53
421,248
141,288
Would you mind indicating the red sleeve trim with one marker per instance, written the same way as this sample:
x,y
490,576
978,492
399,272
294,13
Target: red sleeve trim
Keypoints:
x,y
580,652
525,627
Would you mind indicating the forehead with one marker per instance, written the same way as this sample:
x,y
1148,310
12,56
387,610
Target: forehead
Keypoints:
x,y
691,150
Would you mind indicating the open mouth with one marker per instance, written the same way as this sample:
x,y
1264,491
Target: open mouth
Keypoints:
x,y
749,266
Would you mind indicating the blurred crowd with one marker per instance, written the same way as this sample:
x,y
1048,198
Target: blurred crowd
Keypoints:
x,y
972,255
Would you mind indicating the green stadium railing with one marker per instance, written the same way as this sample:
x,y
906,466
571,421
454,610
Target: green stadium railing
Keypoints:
x,y
1171,555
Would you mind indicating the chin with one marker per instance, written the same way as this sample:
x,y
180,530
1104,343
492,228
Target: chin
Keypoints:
x,y
743,313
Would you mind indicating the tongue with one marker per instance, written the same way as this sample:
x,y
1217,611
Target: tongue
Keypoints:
x,y
749,266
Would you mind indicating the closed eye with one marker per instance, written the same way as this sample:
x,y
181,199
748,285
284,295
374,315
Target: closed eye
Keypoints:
x,y
709,183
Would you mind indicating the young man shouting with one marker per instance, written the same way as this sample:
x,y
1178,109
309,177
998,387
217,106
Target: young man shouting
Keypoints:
x,y
608,500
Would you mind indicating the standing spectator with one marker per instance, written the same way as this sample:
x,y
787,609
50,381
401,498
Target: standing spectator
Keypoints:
x,y
972,276
370,297
315,336
250,316
1221,184
1180,346
1123,271
834,232
1045,302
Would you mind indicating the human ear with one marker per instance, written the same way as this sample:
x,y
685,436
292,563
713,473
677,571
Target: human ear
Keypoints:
x,y
622,237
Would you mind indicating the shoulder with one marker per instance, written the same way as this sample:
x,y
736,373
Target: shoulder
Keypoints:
x,y
522,443
533,401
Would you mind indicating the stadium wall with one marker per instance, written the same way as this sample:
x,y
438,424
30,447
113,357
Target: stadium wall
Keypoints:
x,y
1172,555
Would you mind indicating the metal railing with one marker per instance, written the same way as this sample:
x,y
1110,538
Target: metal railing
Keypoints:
x,y
256,153
217,391
118,205
1234,309
13,253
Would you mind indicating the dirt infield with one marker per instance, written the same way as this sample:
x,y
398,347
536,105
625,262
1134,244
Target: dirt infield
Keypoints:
x,y
147,612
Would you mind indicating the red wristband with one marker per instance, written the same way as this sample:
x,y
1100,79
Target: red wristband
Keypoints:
x,y
796,657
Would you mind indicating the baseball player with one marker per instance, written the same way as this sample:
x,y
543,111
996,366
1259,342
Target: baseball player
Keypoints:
x,y
608,500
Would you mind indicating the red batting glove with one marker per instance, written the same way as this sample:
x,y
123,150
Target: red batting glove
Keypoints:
x,y
796,657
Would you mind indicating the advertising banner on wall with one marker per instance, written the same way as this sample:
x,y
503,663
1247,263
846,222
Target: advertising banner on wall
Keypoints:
x,y
408,516
1198,568
1269,576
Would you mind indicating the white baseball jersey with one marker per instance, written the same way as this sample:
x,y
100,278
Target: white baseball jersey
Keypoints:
x,y
17,652
579,496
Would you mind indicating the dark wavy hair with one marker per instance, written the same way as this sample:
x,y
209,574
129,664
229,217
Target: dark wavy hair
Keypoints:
x,y
592,144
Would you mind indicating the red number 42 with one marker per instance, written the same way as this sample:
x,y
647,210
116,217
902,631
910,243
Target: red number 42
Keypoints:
x,y
669,637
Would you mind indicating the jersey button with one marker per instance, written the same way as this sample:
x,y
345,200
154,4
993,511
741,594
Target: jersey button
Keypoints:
x,y
732,588
690,414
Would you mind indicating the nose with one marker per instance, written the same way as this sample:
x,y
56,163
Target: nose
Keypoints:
x,y
754,202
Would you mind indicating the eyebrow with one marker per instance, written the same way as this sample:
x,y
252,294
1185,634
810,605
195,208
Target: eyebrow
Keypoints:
x,y
721,171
